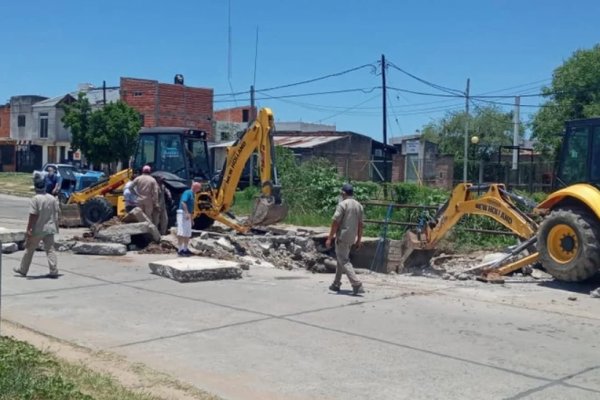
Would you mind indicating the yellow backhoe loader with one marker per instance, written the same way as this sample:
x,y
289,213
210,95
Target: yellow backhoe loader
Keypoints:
x,y
567,241
180,156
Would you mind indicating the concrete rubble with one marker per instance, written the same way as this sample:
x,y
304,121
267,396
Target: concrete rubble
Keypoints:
x,y
12,235
196,269
8,248
100,249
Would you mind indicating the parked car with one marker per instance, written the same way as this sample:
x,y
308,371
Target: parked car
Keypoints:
x,y
73,179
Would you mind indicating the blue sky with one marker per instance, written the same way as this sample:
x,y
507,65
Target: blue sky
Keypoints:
x,y
50,47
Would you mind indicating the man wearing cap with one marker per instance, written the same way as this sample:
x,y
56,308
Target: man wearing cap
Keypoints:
x,y
145,189
42,226
184,219
347,227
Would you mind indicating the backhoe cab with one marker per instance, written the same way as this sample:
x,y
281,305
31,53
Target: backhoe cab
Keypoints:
x,y
181,156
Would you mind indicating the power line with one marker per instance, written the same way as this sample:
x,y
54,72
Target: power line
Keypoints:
x,y
348,109
304,82
424,93
431,84
363,90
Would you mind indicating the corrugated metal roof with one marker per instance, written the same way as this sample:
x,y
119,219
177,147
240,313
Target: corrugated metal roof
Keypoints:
x,y
304,142
293,142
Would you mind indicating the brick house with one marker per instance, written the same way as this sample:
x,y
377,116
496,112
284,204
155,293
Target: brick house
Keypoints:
x,y
7,145
164,104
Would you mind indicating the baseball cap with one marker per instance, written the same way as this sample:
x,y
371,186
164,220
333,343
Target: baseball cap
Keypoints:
x,y
347,188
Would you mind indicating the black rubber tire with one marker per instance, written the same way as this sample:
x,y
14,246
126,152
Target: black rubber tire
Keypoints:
x,y
62,198
96,210
587,260
203,222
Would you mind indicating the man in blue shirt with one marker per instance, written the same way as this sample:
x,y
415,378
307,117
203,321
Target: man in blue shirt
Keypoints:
x,y
184,218
52,182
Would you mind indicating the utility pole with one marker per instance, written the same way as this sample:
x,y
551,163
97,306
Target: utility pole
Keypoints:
x,y
466,155
515,155
384,87
252,106
103,93
250,121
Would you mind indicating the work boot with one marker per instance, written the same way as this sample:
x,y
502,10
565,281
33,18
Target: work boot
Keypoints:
x,y
334,288
358,289
17,271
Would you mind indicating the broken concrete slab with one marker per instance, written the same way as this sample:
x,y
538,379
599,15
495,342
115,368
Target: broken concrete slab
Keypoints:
x,y
117,233
226,244
63,246
11,235
8,248
196,269
113,237
136,215
99,249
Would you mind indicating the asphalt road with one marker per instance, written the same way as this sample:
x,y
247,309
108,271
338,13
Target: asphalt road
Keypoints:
x,y
13,211
279,334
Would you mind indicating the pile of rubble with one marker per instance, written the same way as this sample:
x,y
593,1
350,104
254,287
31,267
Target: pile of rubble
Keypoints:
x,y
297,251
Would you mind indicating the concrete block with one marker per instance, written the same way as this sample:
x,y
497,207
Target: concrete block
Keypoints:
x,y
196,269
11,235
99,249
118,232
113,237
8,248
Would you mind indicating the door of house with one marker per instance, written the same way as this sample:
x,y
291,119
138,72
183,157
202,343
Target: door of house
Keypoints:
x,y
51,154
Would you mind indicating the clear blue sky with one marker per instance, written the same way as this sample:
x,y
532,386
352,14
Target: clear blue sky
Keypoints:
x,y
50,47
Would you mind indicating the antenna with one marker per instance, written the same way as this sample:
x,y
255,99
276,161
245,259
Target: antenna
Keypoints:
x,y
229,62
255,56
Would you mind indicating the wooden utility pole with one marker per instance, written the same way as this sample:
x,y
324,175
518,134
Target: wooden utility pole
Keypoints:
x,y
466,155
384,88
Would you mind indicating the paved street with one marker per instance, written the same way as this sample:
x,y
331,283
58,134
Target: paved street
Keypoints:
x,y
279,334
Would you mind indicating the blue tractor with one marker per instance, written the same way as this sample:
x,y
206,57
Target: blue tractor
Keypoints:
x,y
72,179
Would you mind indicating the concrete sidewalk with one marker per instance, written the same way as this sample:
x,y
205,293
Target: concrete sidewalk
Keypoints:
x,y
281,335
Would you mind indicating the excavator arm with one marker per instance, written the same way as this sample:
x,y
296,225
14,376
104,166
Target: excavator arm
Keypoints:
x,y
269,208
495,202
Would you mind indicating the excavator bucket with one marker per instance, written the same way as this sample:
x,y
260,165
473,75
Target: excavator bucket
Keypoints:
x,y
413,254
70,216
267,212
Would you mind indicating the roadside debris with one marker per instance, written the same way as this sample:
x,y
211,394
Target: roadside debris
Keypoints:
x,y
8,248
100,249
595,293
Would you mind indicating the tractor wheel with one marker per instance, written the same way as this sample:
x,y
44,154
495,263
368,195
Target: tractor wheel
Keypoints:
x,y
203,222
96,211
569,244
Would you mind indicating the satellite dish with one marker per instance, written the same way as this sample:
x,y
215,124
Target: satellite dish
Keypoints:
x,y
178,79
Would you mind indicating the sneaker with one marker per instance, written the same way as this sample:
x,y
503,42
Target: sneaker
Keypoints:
x,y
188,252
334,288
181,253
358,289
16,271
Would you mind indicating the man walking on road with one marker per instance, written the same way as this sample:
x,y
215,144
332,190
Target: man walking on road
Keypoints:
x,y
145,188
347,227
42,225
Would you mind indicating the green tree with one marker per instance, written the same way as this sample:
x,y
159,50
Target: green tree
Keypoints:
x,y
489,123
77,120
574,93
106,135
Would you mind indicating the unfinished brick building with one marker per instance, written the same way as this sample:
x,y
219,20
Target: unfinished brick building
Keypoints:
x,y
164,104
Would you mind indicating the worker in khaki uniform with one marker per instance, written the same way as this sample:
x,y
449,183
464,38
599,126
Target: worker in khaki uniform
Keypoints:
x,y
42,226
347,227
145,188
